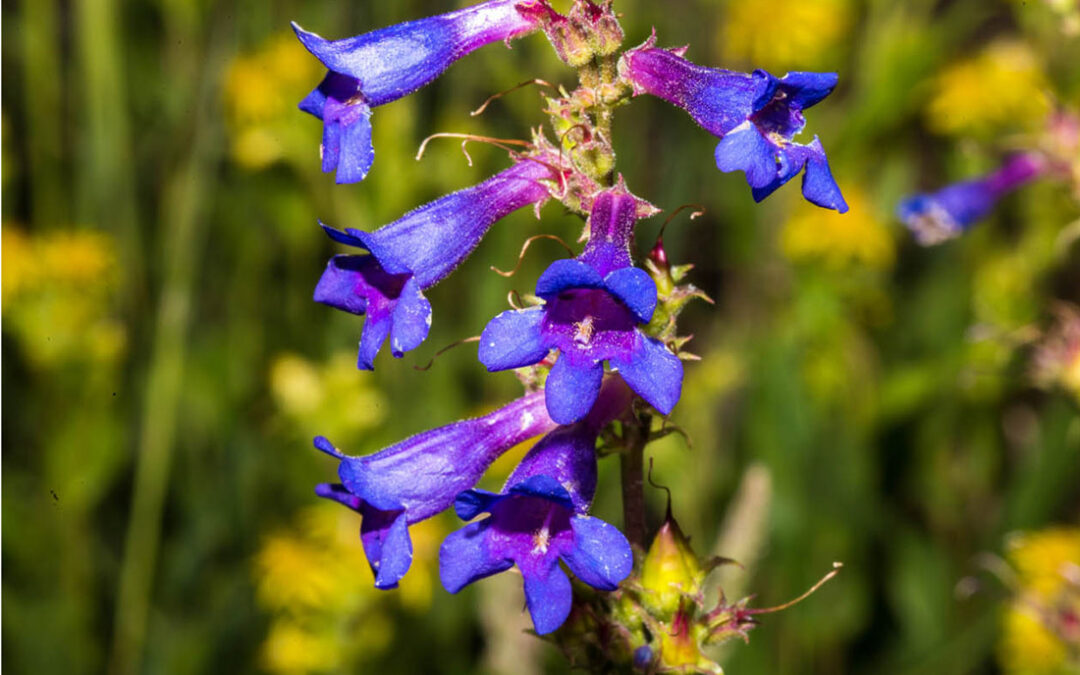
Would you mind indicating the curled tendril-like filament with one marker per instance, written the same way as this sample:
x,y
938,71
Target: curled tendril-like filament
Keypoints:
x,y
493,97
502,143
525,248
475,338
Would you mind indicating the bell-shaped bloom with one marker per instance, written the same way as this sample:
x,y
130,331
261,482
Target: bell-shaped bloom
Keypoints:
x,y
938,216
594,305
755,115
540,517
416,252
419,477
386,64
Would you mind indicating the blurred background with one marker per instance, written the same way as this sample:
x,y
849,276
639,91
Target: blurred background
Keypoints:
x,y
912,412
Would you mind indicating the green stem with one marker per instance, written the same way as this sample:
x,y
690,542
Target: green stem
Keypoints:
x,y
184,226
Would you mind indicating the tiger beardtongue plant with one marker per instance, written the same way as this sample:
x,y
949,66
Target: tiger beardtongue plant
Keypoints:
x,y
598,347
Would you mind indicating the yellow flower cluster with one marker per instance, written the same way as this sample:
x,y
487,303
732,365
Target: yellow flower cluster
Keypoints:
x,y
314,580
1036,639
784,34
838,240
1002,89
58,291
331,397
262,90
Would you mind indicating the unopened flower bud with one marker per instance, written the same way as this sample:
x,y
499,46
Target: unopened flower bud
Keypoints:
x,y
670,570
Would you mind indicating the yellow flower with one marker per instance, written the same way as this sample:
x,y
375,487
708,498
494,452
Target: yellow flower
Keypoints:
x,y
331,397
290,648
57,295
1040,558
316,583
838,240
783,34
262,90
1027,646
1001,89
1034,632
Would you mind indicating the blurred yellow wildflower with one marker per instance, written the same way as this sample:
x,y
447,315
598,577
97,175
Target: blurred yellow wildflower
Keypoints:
x,y
1040,629
57,295
315,581
262,90
784,34
838,240
999,90
332,397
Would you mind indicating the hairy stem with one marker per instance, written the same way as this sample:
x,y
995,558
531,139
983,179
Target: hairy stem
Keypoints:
x,y
633,480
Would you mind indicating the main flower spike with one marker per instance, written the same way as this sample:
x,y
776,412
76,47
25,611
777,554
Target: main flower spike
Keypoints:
x,y
947,213
384,65
755,115
417,251
594,304
419,477
541,517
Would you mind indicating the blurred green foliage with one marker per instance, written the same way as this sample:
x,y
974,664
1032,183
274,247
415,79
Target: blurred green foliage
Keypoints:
x,y
165,367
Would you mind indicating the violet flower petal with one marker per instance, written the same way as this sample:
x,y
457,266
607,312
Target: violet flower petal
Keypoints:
x,y
601,556
653,372
549,599
513,340
571,388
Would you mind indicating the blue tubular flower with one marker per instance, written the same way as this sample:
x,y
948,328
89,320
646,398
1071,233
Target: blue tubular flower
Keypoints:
x,y
384,65
417,251
541,517
756,116
420,477
945,214
594,304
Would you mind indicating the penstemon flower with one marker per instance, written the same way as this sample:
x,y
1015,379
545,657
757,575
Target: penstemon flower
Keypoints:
x,y
594,306
421,476
600,349
541,517
756,116
939,216
384,65
417,251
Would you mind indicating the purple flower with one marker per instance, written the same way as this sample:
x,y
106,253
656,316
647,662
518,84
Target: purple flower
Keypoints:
x,y
945,214
414,253
419,477
541,517
594,304
756,116
384,65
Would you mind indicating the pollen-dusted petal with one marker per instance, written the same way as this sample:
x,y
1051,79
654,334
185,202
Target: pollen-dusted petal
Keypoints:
x,y
387,545
411,319
819,187
513,340
636,289
549,599
745,149
653,372
465,557
601,555
571,389
568,273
